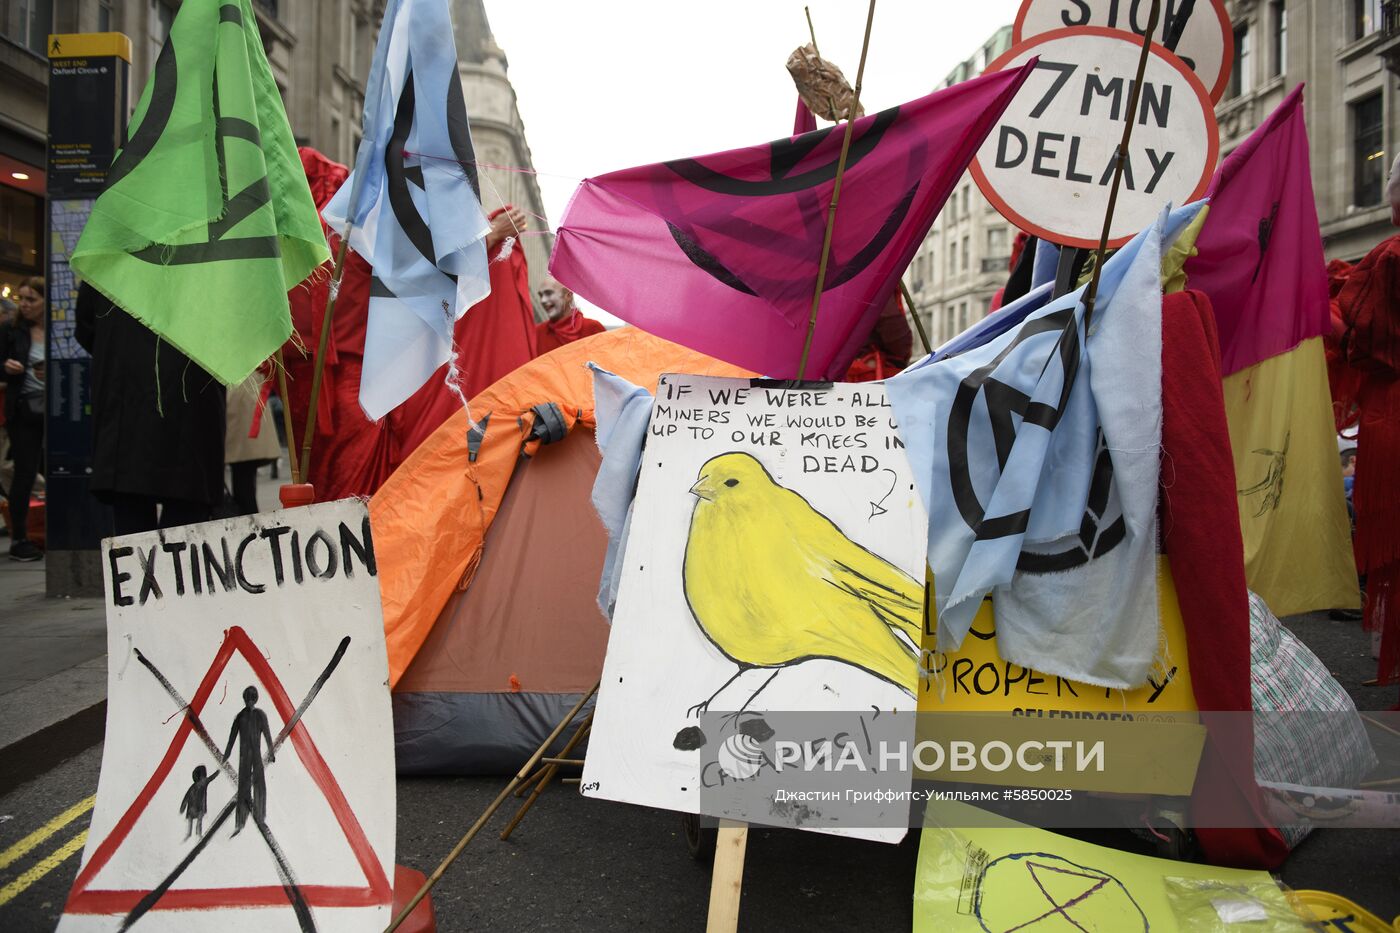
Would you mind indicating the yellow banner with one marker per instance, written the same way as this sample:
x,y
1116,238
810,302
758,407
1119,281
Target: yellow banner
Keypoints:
x,y
89,45
1297,536
976,679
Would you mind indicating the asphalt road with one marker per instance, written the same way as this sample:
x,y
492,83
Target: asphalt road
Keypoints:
x,y
584,865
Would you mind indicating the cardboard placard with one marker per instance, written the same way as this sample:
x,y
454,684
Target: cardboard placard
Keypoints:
x,y
1048,164
1207,45
248,773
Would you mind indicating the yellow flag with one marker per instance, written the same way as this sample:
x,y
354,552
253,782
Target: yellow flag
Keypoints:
x,y
1297,536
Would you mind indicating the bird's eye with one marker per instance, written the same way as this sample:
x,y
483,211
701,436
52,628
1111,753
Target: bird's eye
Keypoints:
x,y
731,482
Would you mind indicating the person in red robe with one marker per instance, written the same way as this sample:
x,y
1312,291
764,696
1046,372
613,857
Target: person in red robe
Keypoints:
x,y
565,323
351,455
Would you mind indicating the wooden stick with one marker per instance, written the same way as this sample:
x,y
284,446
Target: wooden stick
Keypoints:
x,y
1385,783
914,313
287,417
490,811
836,196
564,762
1119,157
332,293
812,31
727,880
529,781
547,773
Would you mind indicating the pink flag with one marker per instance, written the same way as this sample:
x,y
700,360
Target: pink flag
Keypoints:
x,y
804,121
720,253
1261,258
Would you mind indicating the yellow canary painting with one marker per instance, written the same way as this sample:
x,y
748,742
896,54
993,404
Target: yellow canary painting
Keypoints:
x,y
772,582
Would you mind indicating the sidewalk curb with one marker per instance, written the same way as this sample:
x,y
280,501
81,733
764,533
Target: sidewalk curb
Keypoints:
x,y
36,754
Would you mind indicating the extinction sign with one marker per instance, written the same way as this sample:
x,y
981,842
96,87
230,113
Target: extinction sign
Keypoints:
x,y
248,773
1048,164
1207,45
775,562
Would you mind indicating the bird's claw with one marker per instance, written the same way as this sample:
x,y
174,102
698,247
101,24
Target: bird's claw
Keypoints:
x,y
697,709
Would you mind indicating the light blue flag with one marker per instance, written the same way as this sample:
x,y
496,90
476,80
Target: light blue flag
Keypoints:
x,y
1024,439
621,411
415,205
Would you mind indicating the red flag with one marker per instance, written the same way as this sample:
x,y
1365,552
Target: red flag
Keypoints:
x,y
804,121
1260,257
720,253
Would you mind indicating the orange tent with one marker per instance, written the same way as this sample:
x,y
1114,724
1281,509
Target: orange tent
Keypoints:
x,y
489,555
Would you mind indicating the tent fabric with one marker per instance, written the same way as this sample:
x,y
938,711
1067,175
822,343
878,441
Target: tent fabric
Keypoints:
x,y
431,517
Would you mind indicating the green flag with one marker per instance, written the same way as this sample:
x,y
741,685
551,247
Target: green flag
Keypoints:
x,y
207,220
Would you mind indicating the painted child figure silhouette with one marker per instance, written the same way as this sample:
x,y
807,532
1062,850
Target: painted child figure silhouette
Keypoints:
x,y
196,801
249,729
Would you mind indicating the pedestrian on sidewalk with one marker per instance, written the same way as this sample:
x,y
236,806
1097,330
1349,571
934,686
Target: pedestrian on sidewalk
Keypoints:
x,y
244,448
158,422
22,353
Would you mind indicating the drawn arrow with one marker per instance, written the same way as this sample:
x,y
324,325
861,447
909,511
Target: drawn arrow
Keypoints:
x,y
878,508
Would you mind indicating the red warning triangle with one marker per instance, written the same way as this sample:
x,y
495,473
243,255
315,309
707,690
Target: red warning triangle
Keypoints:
x,y
375,892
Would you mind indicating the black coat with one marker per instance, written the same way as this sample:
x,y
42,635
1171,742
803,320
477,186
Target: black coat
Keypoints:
x,y
14,345
158,418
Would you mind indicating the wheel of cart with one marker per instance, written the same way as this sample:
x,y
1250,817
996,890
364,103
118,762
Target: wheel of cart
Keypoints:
x,y
699,839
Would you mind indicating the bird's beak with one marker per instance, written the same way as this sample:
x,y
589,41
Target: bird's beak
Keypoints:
x,y
702,489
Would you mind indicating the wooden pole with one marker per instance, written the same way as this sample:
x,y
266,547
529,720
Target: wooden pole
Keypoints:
x,y
550,767
331,294
727,879
481,821
812,31
914,313
836,196
1092,292
287,416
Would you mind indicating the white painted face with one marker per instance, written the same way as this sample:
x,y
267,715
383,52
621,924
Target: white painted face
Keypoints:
x,y
556,300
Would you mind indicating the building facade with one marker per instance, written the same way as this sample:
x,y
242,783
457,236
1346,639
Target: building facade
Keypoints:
x,y
319,50
1339,49
1346,52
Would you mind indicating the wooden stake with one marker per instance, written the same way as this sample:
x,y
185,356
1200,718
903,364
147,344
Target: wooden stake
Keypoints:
x,y
1092,292
836,195
332,293
481,821
914,313
727,879
287,417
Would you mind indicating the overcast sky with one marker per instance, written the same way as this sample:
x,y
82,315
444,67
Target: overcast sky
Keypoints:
x,y
608,84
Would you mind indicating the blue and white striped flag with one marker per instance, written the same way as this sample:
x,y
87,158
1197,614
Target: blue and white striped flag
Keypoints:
x,y
1036,450
415,204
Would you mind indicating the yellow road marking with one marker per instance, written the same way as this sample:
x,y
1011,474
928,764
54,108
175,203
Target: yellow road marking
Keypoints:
x,y
51,861
22,848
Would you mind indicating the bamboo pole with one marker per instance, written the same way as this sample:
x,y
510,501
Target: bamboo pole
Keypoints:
x,y
914,313
836,196
1092,292
547,772
287,416
332,293
481,821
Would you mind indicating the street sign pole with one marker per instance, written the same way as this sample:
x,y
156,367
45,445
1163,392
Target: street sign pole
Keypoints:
x,y
87,120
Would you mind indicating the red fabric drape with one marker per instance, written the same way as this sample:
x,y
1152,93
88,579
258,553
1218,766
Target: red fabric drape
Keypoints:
x,y
1202,540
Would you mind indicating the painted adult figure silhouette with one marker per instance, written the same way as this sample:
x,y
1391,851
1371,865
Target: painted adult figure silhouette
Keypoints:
x,y
249,729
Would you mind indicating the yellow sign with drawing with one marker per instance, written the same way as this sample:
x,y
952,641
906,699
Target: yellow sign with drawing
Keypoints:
x,y
975,678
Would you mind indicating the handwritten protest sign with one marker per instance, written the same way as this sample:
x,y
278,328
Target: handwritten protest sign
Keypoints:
x,y
1048,165
775,562
1207,44
248,772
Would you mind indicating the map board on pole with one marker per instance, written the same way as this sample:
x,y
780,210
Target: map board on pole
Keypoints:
x,y
248,769
1207,45
1048,164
